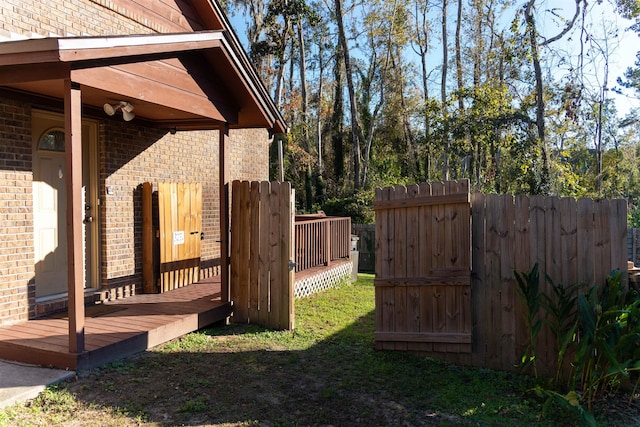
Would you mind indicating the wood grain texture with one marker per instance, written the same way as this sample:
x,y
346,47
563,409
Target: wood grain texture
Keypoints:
x,y
423,257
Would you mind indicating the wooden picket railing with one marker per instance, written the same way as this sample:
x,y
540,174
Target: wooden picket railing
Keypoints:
x,y
320,240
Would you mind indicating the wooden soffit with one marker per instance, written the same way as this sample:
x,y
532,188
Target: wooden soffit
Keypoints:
x,y
185,81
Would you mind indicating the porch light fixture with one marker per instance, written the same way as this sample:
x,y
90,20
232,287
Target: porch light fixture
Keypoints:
x,y
124,106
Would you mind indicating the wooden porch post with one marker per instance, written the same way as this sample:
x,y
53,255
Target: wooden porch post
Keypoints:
x,y
223,179
73,161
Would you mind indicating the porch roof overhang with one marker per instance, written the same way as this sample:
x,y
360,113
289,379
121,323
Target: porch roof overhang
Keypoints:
x,y
183,81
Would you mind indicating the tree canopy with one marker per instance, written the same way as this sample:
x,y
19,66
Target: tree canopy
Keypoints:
x,y
516,96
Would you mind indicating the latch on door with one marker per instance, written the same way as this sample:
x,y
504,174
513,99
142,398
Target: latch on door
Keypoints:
x,y
87,218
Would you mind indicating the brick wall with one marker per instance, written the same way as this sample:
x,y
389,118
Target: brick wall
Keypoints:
x,y
128,154
17,292
131,155
248,155
65,18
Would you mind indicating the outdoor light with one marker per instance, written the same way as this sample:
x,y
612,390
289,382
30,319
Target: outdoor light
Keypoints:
x,y
124,106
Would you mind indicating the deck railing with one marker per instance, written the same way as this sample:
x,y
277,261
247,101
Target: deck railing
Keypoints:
x,y
320,240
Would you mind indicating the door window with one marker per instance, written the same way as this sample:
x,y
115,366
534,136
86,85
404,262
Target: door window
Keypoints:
x,y
52,140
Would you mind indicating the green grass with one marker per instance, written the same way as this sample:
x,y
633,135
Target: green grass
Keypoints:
x,y
326,372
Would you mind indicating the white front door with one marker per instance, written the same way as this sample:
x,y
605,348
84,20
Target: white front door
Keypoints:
x,y
50,204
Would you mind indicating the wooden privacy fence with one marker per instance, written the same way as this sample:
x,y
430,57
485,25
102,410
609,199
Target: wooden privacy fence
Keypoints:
x,y
423,260
262,276
572,241
366,245
171,234
633,245
320,240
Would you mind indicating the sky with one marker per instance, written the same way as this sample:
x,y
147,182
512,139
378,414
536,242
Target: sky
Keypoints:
x,y
600,18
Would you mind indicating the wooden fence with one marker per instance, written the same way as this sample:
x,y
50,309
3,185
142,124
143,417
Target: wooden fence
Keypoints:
x,y
262,277
633,245
320,240
423,261
172,259
572,241
366,246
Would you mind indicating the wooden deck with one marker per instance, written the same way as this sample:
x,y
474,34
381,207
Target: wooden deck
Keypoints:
x,y
116,329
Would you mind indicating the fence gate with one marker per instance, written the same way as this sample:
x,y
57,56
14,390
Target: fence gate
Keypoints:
x,y
262,250
171,240
423,268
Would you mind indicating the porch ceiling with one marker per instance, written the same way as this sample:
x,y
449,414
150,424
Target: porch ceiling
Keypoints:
x,y
185,81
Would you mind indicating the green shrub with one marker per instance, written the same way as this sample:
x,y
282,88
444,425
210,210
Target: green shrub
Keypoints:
x,y
609,330
633,220
358,206
602,325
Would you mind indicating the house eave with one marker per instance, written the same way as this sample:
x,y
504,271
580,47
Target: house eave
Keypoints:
x,y
23,63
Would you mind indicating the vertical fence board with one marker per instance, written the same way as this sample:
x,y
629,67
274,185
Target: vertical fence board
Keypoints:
x,y
413,233
438,254
618,227
585,241
508,294
400,265
522,263
380,262
182,204
601,240
197,212
538,235
492,264
264,270
254,231
553,268
164,209
568,241
239,251
413,311
480,292
286,228
388,294
274,241
425,233
452,301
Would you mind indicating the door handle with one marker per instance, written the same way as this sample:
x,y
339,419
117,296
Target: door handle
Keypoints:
x,y
87,219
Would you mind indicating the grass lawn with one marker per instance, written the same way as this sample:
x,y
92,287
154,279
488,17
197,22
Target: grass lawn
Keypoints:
x,y
326,373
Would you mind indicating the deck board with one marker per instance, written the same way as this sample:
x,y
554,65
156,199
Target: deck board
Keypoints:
x,y
140,322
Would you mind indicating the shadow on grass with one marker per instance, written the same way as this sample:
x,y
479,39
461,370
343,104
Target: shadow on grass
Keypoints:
x,y
241,375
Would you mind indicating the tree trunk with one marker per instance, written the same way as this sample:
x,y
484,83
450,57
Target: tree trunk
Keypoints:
x,y
352,95
304,103
543,184
443,94
281,61
320,181
337,119
459,76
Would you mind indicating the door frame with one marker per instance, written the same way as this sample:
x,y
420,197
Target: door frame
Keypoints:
x,y
91,252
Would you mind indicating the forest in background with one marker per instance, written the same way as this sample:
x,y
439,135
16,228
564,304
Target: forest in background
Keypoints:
x,y
514,95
